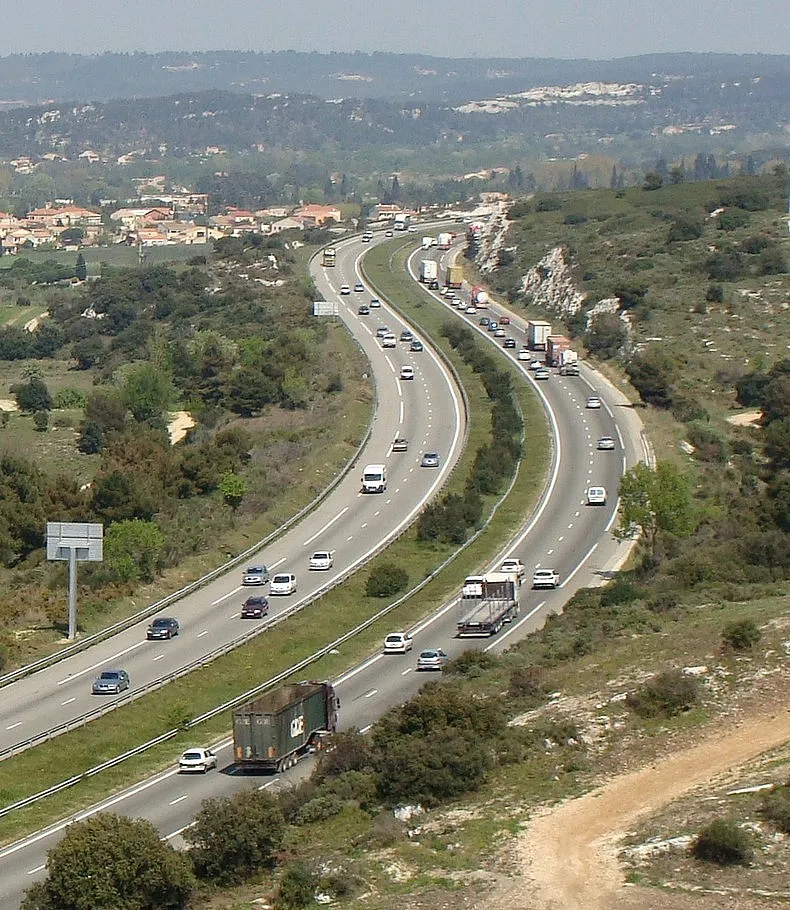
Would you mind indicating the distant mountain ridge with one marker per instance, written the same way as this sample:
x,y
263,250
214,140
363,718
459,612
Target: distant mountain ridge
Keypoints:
x,y
32,79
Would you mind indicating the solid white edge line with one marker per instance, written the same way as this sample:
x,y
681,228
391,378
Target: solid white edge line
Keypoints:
x,y
584,559
516,626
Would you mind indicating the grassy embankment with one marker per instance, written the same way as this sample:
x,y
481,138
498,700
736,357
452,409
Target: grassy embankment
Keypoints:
x,y
341,609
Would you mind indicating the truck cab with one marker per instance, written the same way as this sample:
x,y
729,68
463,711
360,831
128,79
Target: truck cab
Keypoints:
x,y
374,478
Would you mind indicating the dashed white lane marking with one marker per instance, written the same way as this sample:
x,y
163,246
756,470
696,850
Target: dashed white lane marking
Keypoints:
x,y
226,596
178,799
68,701
549,552
14,726
158,657
407,670
201,634
37,869
401,413
102,663
371,693
328,525
561,538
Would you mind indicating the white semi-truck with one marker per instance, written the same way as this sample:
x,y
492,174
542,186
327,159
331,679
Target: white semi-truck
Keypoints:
x,y
429,270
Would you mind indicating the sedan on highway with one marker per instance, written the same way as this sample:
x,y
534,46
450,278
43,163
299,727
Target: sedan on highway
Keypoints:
x,y
593,402
545,578
400,444
382,330
606,444
283,583
375,302
430,460
162,627
431,659
499,333
542,374
255,575
406,335
111,682
398,643
254,607
406,372
345,289
200,760
320,561
471,310
524,354
484,321
509,343
363,310
389,341
416,346
359,287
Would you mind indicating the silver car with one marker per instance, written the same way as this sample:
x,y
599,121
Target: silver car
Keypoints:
x,y
197,760
111,682
432,659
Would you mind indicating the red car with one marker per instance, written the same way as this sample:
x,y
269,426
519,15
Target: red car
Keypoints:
x,y
504,320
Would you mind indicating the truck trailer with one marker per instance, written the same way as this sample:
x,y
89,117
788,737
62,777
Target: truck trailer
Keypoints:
x,y
272,732
556,345
569,363
429,270
499,604
479,296
328,257
537,333
455,276
444,240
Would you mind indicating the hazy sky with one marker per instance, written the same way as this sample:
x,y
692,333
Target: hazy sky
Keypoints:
x,y
463,28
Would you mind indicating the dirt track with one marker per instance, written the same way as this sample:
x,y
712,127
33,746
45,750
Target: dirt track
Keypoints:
x,y
568,854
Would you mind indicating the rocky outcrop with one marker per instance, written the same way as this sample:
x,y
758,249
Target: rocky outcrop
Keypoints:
x,y
491,233
549,285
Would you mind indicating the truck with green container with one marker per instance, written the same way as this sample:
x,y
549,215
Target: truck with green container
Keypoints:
x,y
272,732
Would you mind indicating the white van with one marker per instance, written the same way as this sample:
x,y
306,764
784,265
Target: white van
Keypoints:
x,y
374,478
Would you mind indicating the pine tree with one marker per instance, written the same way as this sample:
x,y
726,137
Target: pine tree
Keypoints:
x,y
81,269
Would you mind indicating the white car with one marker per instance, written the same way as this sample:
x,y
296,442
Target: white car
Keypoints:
x,y
593,402
537,365
283,583
514,565
197,760
389,341
345,289
545,578
398,643
524,354
606,444
320,561
407,372
596,496
471,310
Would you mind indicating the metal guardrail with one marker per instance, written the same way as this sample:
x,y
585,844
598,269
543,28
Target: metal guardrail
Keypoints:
x,y
193,586
267,684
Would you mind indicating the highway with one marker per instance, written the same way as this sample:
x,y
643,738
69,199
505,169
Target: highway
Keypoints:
x,y
427,409
564,533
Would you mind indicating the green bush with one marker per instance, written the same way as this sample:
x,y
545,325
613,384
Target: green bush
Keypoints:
x,y
527,682
471,663
620,591
741,635
666,694
69,399
319,809
385,580
776,808
723,842
297,887
41,421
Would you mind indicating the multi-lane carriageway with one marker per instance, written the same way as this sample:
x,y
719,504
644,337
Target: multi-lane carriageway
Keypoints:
x,y
563,533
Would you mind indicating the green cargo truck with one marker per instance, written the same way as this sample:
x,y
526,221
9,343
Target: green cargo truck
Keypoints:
x,y
455,276
272,732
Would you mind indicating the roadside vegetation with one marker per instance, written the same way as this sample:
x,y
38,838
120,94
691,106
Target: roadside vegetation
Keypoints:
x,y
233,344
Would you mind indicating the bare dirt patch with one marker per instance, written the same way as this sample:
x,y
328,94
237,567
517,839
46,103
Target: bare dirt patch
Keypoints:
x,y
181,422
746,419
568,854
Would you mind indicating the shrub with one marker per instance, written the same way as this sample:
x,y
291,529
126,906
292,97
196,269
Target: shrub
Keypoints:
x,y
715,293
527,682
68,399
574,218
667,694
385,580
722,842
662,603
32,396
41,421
741,635
471,663
297,887
685,228
709,445
686,408
319,809
776,808
620,591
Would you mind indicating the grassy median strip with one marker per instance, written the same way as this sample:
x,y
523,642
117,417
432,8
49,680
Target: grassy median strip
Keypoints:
x,y
341,609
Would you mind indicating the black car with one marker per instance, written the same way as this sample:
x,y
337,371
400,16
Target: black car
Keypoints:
x,y
509,343
254,607
163,627
364,310
433,284
416,346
